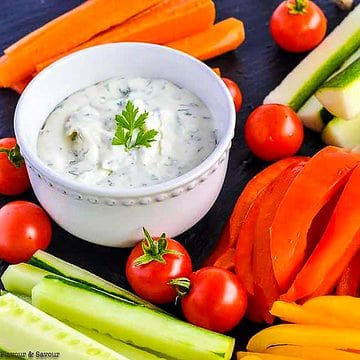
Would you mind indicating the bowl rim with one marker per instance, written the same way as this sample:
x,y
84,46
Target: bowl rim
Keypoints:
x,y
221,147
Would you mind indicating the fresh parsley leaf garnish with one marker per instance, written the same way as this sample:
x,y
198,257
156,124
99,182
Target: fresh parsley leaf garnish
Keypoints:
x,y
131,129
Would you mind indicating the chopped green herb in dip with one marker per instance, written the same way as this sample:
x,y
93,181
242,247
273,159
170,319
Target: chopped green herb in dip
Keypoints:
x,y
76,139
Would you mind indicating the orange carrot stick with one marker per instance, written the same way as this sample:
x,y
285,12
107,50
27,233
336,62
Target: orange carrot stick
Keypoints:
x,y
217,71
167,21
222,37
20,86
64,33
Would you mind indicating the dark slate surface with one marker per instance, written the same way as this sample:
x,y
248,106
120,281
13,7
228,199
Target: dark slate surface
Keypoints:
x,y
258,66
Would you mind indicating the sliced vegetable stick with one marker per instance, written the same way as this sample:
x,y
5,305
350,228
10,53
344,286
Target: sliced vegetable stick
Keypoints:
x,y
246,355
294,313
3,60
339,243
245,245
305,335
158,333
266,288
244,254
346,308
291,312
20,85
226,261
342,133
339,95
244,259
165,22
232,228
89,18
64,33
349,283
222,37
118,346
312,352
23,328
319,223
327,172
335,269
315,68
253,189
217,71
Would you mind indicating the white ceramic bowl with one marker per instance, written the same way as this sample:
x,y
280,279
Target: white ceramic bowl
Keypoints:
x,y
115,217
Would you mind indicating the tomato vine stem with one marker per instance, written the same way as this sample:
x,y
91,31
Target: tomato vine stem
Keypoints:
x,y
154,250
13,155
297,6
181,285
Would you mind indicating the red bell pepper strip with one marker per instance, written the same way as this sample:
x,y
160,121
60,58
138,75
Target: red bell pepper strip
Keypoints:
x,y
231,230
245,245
325,173
349,283
252,311
338,245
266,288
328,285
319,224
227,260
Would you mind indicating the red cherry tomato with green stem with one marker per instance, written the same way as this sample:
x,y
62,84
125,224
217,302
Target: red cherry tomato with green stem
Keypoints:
x,y
151,265
24,229
212,298
273,132
14,178
235,92
298,25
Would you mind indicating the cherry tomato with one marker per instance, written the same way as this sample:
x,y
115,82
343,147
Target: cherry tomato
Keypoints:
x,y
13,175
273,132
24,229
235,92
212,298
153,263
298,25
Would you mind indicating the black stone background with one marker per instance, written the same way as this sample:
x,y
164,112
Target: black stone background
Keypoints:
x,y
257,66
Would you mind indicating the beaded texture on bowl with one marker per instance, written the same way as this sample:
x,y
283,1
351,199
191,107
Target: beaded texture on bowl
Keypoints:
x,y
129,201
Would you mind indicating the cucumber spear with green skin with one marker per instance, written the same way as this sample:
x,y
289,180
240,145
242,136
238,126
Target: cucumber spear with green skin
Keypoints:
x,y
340,95
118,346
144,328
343,133
24,329
313,115
54,265
23,278
20,280
315,68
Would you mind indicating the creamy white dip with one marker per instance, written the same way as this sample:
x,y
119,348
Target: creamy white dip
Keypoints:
x,y
76,139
